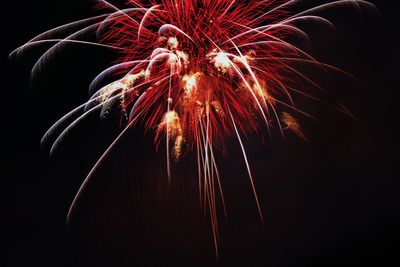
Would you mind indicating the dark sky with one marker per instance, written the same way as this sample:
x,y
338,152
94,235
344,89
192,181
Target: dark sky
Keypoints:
x,y
330,202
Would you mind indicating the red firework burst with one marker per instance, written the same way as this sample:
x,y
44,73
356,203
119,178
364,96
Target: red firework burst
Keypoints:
x,y
198,72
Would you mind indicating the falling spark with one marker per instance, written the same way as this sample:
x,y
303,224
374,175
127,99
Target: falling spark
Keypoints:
x,y
292,124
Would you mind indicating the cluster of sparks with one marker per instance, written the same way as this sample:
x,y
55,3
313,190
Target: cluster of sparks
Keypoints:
x,y
197,72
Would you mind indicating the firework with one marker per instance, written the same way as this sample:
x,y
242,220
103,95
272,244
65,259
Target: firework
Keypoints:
x,y
197,72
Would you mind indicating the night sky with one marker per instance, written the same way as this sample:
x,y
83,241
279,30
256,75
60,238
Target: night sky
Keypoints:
x,y
332,201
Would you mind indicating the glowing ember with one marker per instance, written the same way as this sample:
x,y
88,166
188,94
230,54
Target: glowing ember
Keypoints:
x,y
190,82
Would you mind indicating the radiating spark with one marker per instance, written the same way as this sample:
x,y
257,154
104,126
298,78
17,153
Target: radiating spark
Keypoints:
x,y
198,72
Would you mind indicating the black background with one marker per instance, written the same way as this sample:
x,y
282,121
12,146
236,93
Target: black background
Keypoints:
x,y
325,202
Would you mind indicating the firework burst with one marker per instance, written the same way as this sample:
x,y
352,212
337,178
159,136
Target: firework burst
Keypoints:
x,y
197,72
